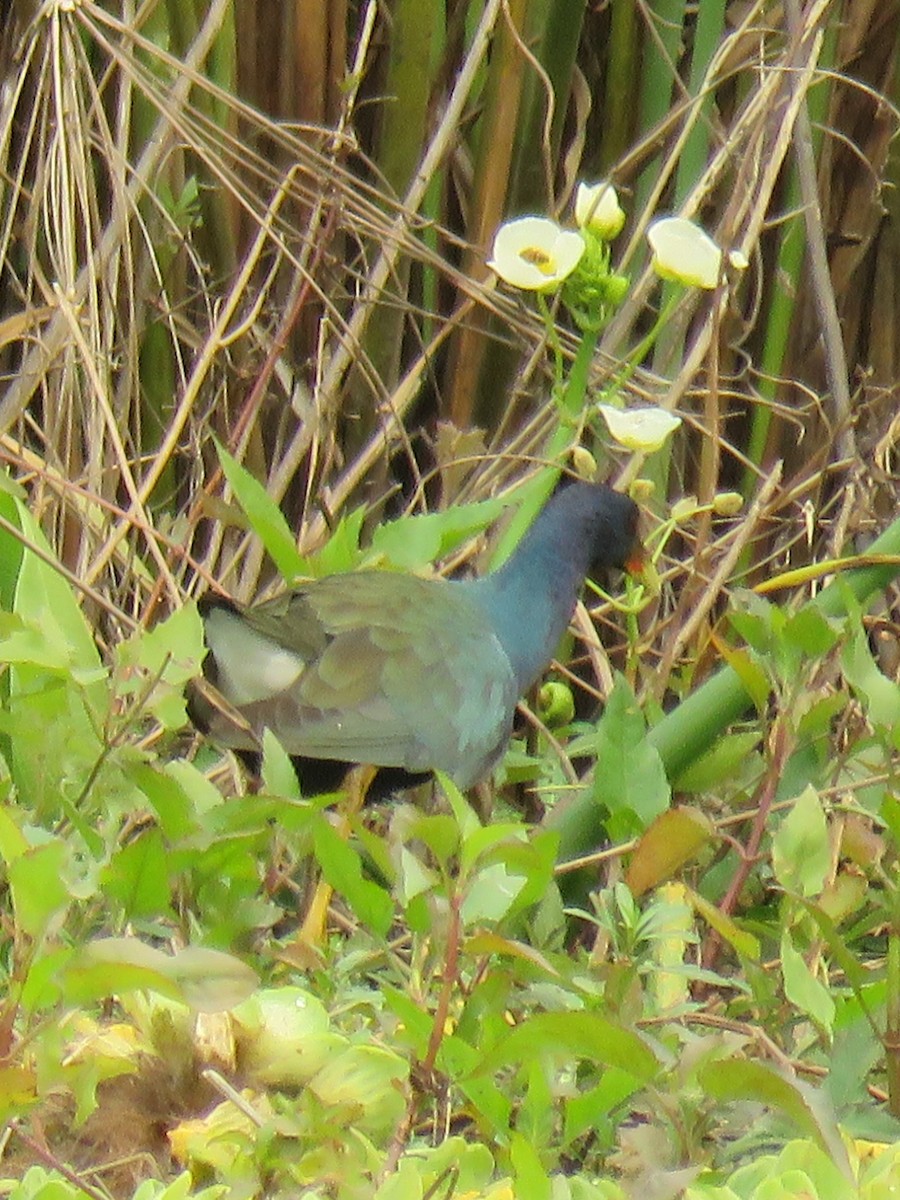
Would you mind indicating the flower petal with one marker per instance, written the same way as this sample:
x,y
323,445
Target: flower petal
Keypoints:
x,y
683,252
644,429
597,208
535,253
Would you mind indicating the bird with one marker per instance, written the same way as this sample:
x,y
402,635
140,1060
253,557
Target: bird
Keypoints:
x,y
405,674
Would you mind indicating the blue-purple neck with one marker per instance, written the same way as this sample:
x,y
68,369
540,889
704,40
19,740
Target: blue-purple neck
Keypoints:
x,y
530,599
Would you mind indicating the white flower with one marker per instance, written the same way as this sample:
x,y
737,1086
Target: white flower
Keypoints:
x,y
597,208
534,253
683,252
644,429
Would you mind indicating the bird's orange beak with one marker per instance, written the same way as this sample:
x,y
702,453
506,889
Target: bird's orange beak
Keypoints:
x,y
636,562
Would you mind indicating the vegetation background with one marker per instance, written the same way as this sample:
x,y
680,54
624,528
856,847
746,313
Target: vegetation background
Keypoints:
x,y
243,258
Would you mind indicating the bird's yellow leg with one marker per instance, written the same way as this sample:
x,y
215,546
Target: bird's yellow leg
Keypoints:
x,y
356,786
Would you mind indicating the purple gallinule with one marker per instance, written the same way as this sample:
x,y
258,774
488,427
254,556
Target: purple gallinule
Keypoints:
x,y
402,673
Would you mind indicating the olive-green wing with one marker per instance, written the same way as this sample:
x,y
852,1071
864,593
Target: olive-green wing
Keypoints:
x,y
367,667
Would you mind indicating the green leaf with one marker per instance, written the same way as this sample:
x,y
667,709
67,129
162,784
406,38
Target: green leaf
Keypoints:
x,y
138,877
673,839
880,695
112,966
413,877
629,779
801,850
739,1081
284,1035
265,517
202,796
168,655
209,980
531,1178
490,894
341,552
206,980
169,800
39,891
181,1188
484,839
752,677
810,632
278,775
577,1036
342,868
802,988
413,542
743,942
722,762
44,598
13,843
367,1079
752,618
42,989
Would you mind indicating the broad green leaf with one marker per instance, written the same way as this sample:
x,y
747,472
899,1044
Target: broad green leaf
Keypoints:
x,y
753,678
486,942
111,966
368,1080
673,839
206,980
413,877
754,619
629,778
740,1080
466,817
209,980
438,831
45,598
470,1164
265,517
43,988
810,632
181,1188
594,1106
803,1168
278,775
413,542
535,1118
531,1178
490,894
25,642
802,988
744,943
169,800
38,886
341,552
801,849
577,1036
880,695
485,839
138,877
202,795
342,868
168,655
13,843
534,860
284,1035
722,762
